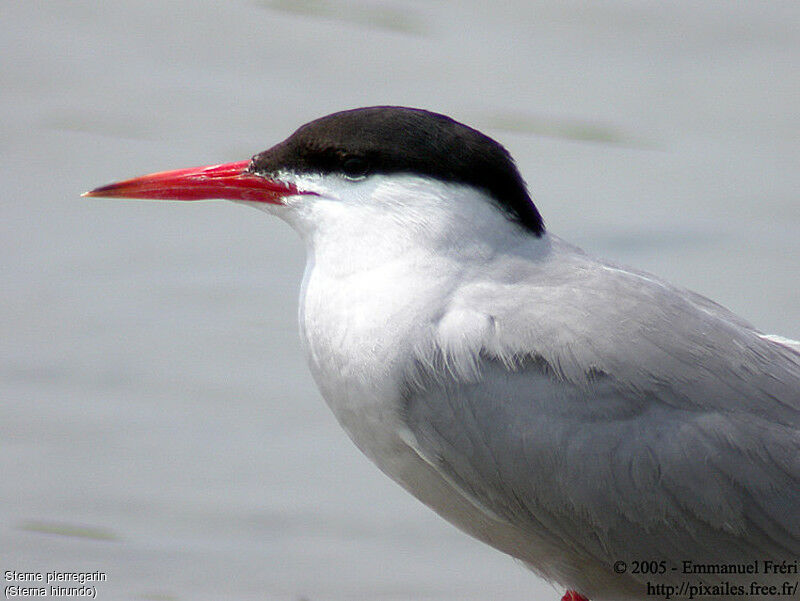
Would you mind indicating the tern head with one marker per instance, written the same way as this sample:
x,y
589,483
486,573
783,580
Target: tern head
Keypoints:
x,y
402,162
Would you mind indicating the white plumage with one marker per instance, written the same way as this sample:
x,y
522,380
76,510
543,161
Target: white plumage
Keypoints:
x,y
568,411
565,410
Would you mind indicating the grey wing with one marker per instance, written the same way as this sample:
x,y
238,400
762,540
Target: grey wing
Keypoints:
x,y
611,482
685,447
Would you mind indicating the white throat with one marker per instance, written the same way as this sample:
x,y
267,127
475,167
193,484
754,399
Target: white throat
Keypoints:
x,y
385,256
355,225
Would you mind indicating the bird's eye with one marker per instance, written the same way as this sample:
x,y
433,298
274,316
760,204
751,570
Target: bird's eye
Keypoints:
x,y
355,167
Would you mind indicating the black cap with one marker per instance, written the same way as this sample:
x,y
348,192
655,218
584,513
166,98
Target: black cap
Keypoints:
x,y
393,139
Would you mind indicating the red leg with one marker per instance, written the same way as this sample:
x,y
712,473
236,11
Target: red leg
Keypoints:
x,y
573,596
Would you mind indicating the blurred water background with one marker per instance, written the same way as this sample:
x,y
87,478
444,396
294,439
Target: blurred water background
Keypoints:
x,y
157,420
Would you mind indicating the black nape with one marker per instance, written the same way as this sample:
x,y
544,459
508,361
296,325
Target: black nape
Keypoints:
x,y
390,139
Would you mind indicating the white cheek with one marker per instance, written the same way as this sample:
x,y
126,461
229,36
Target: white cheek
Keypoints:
x,y
330,186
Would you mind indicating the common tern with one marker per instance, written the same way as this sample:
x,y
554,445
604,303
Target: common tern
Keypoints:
x,y
623,437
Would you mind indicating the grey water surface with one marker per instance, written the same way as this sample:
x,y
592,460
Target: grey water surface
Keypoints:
x,y
157,420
